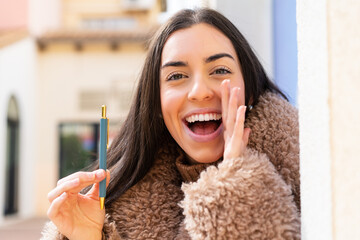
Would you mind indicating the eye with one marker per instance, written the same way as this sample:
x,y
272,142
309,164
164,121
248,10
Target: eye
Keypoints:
x,y
175,76
221,71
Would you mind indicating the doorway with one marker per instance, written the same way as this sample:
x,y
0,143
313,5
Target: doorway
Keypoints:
x,y
12,158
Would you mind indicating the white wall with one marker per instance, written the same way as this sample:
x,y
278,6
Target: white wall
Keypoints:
x,y
344,98
17,78
254,20
315,161
43,15
329,73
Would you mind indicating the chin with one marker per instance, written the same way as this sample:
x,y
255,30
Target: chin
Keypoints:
x,y
207,158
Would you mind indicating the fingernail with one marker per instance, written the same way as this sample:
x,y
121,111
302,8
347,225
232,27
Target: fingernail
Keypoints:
x,y
99,173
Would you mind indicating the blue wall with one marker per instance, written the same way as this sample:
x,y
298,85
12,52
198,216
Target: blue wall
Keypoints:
x,y
285,47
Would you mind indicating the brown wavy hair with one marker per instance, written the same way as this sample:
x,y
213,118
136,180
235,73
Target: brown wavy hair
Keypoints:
x,y
133,152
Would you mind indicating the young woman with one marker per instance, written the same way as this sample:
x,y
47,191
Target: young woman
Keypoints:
x,y
185,165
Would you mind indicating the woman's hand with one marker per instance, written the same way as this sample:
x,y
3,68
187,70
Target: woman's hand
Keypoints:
x,y
233,116
76,215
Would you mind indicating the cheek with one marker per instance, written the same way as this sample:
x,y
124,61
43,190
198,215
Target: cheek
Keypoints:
x,y
167,99
171,102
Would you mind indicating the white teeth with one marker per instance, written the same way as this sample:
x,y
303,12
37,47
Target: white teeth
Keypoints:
x,y
206,117
203,117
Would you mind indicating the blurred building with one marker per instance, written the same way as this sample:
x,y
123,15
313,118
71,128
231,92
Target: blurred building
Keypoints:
x,y
92,58
60,60
17,105
56,69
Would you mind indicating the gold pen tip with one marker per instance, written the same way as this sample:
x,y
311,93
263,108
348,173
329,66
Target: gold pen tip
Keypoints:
x,y
102,202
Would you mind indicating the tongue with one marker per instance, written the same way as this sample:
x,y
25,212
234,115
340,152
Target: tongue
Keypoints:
x,y
204,128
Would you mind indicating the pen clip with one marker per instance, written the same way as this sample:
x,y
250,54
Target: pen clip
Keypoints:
x,y
103,115
103,111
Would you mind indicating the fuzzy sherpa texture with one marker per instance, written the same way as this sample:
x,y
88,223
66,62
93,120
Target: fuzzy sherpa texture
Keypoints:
x,y
275,131
256,196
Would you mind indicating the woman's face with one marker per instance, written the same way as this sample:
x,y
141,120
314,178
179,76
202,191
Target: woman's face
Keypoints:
x,y
194,62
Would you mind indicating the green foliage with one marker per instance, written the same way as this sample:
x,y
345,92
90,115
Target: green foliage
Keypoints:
x,y
74,157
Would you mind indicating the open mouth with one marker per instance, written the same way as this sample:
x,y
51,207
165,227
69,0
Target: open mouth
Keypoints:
x,y
203,124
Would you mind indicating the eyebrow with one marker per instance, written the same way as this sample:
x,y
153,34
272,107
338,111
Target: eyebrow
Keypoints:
x,y
174,64
212,58
217,56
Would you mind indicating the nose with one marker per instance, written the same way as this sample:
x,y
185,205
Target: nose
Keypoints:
x,y
200,90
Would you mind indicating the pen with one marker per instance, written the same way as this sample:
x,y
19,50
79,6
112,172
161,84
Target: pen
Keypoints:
x,y
104,144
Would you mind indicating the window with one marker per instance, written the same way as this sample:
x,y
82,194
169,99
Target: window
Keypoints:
x,y
78,146
12,158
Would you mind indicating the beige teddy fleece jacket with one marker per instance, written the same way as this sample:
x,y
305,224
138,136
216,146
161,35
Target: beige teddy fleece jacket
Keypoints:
x,y
256,196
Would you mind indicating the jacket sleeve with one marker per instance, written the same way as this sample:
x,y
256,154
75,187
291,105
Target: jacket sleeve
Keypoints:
x,y
50,232
242,198
109,230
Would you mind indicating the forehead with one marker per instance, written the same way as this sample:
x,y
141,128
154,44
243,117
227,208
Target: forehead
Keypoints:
x,y
200,39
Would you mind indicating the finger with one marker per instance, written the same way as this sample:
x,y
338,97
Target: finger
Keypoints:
x,y
225,86
246,137
53,210
94,191
70,177
66,186
231,116
107,177
239,125
75,185
74,176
